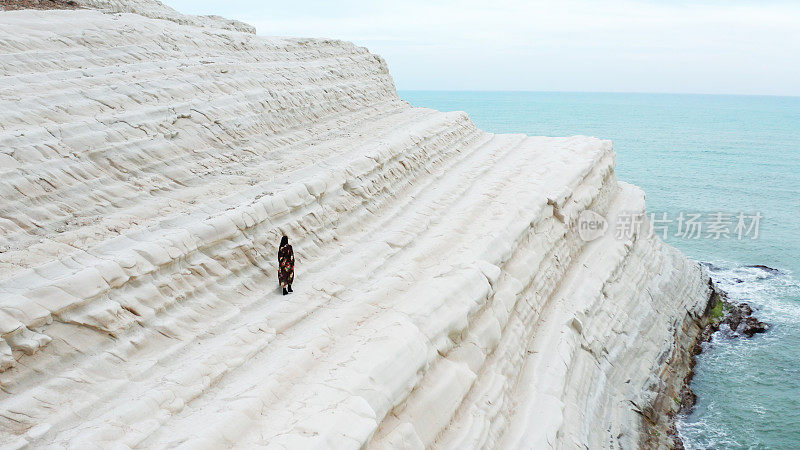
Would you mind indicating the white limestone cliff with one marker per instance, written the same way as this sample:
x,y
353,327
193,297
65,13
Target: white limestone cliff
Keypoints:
x,y
443,296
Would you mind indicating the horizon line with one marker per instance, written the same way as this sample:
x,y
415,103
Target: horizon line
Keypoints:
x,y
601,92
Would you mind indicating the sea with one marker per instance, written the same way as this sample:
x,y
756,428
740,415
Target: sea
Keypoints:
x,y
722,178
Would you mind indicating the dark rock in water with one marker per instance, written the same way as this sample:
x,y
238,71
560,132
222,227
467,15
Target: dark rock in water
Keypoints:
x,y
733,318
738,280
711,267
766,269
738,316
752,326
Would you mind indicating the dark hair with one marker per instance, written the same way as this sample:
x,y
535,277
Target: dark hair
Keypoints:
x,y
284,241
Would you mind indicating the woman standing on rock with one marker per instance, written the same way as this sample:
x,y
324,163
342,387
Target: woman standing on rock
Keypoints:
x,y
285,265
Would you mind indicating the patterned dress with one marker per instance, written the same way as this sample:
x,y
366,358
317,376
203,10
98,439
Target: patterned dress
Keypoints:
x,y
285,266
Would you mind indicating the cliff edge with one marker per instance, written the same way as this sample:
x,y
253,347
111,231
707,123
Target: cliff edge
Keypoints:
x,y
444,297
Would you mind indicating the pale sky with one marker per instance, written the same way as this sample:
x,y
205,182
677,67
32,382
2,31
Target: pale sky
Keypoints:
x,y
713,46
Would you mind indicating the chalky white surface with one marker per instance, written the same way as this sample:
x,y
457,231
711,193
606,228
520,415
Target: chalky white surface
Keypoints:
x,y
443,297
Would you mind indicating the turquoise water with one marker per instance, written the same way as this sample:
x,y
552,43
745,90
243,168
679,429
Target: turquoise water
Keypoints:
x,y
700,154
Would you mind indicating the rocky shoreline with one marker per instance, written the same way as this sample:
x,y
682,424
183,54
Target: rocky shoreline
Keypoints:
x,y
721,311
671,389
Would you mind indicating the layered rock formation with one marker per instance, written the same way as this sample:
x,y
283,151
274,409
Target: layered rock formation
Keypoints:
x,y
444,297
